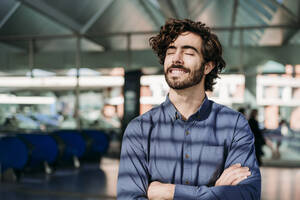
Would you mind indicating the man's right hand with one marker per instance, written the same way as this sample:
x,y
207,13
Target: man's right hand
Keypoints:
x,y
233,175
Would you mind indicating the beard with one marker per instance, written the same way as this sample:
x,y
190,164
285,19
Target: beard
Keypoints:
x,y
194,77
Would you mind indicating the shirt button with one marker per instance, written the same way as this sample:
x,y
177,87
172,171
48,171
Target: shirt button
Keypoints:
x,y
187,156
187,133
187,182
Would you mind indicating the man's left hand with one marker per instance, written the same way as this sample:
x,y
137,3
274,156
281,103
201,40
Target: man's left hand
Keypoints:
x,y
160,191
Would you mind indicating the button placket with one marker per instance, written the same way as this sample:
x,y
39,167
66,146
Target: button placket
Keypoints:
x,y
187,155
187,133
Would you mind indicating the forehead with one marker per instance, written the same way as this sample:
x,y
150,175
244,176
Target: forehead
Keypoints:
x,y
188,38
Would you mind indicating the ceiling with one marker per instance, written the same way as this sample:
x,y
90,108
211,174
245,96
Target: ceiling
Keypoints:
x,y
61,34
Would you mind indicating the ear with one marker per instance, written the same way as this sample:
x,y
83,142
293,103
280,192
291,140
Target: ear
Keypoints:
x,y
208,67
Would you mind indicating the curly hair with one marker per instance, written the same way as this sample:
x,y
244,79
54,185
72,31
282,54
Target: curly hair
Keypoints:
x,y
211,48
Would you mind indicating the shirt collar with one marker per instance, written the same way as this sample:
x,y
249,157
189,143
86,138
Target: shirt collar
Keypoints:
x,y
198,115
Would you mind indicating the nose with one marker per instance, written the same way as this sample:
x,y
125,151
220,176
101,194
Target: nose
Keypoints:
x,y
177,58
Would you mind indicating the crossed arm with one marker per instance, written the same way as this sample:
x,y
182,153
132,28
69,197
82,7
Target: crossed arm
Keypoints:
x,y
230,176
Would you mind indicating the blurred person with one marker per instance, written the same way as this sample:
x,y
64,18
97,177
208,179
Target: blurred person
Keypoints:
x,y
109,118
10,123
259,138
276,136
189,147
279,136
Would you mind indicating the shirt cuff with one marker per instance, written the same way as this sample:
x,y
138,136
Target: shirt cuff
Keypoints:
x,y
186,192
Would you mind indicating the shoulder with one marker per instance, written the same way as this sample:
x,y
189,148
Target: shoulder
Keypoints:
x,y
227,117
144,121
224,112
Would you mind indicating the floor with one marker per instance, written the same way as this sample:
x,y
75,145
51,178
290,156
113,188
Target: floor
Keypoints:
x,y
91,182
280,183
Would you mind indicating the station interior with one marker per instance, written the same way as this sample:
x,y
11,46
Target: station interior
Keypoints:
x,y
74,73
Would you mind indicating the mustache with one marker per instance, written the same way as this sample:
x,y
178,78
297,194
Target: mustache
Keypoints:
x,y
178,67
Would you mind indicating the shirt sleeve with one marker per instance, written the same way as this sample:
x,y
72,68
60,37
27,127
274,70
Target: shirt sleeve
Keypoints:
x,y
133,172
241,151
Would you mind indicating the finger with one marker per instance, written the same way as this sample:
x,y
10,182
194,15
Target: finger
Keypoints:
x,y
234,166
224,176
236,173
238,180
237,165
238,176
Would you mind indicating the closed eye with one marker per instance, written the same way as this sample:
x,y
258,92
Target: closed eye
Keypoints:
x,y
190,54
170,51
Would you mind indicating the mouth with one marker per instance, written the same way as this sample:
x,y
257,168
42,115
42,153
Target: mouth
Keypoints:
x,y
177,71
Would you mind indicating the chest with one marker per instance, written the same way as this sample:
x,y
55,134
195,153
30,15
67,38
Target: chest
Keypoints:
x,y
191,153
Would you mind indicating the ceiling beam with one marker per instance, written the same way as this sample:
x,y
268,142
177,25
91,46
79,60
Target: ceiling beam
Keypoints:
x,y
199,10
10,13
289,35
56,16
258,13
5,19
252,12
252,56
53,14
180,8
172,8
154,13
267,7
167,8
233,19
96,16
235,28
285,9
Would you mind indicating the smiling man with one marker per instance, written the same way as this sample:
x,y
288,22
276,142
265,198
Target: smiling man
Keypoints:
x,y
189,147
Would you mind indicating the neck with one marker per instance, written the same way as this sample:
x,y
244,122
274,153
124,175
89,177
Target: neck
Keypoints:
x,y
187,101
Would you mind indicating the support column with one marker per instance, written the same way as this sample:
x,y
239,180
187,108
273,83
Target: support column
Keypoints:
x,y
77,88
31,57
131,96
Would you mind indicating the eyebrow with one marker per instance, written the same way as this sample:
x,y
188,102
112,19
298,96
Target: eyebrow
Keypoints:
x,y
190,47
184,47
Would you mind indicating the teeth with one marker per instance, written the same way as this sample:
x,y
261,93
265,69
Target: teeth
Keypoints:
x,y
175,71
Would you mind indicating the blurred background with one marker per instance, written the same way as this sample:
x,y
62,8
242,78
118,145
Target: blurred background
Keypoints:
x,y
73,73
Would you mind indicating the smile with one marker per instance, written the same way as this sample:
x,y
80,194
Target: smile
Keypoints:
x,y
177,71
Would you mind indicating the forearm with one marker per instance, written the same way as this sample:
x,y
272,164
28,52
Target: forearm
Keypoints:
x,y
242,191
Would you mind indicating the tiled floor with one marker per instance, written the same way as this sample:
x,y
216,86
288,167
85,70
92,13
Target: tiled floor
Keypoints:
x,y
91,183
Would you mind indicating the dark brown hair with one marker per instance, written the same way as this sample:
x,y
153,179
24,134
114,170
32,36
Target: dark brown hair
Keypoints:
x,y
211,47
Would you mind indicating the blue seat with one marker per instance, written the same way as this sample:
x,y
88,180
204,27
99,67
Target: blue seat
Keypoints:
x,y
44,148
13,153
100,140
74,143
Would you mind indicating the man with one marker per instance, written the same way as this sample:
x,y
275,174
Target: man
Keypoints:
x,y
188,147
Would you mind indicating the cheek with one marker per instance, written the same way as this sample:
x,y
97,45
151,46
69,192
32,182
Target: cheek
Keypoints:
x,y
193,62
165,67
167,62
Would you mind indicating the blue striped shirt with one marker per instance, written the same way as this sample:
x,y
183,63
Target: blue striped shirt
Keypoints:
x,y
160,146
